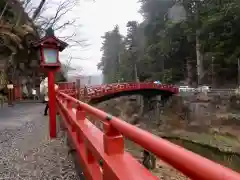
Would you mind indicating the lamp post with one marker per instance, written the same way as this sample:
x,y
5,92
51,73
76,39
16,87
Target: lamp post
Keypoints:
x,y
48,48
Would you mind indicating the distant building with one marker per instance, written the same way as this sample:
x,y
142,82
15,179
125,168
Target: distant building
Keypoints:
x,y
86,80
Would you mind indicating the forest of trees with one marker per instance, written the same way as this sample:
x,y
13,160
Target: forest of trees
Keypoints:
x,y
190,41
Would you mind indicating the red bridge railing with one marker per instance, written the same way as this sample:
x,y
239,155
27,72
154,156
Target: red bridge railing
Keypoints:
x,y
68,88
94,145
97,91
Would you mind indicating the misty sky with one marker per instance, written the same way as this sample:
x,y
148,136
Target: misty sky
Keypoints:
x,y
96,18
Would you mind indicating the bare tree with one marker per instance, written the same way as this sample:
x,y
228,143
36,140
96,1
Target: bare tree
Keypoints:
x,y
4,9
32,15
67,66
38,9
54,13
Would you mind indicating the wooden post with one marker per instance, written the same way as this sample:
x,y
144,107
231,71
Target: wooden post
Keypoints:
x,y
10,94
78,85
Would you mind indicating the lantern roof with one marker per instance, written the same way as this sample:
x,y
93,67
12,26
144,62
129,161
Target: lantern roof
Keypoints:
x,y
50,39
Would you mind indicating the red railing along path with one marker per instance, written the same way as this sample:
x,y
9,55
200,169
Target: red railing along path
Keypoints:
x,y
93,145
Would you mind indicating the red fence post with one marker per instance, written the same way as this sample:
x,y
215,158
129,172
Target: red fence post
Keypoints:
x,y
113,140
52,105
80,116
113,143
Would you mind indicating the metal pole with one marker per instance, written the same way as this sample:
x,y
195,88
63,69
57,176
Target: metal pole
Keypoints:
x,y
52,103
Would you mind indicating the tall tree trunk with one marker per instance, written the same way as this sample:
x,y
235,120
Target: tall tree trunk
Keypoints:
x,y
136,73
3,11
38,10
214,73
199,60
190,76
199,56
238,72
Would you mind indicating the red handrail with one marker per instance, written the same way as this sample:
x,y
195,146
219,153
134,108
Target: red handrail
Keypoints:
x,y
189,163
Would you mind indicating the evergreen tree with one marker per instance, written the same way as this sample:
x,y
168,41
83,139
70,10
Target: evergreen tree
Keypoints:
x,y
112,47
188,40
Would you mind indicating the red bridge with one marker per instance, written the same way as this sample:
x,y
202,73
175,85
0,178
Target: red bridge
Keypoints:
x,y
101,93
93,145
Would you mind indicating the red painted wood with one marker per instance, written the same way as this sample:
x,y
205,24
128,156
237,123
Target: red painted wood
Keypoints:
x,y
17,93
52,105
108,89
89,142
93,145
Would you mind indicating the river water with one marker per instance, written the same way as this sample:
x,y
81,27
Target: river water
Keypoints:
x,y
228,159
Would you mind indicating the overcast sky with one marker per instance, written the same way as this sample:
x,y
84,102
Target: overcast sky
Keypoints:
x,y
96,18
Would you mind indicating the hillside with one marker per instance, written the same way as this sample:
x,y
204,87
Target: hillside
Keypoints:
x,y
19,62
17,31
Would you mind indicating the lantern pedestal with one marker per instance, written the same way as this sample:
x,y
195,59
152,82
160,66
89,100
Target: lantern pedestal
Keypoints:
x,y
52,100
52,105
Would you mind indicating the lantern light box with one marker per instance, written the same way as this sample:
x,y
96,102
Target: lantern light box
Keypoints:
x,y
48,49
50,56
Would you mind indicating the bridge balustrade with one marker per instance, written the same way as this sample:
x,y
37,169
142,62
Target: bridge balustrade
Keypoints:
x,y
93,145
68,88
108,89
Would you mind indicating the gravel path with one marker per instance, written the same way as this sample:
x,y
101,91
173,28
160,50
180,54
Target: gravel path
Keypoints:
x,y
26,152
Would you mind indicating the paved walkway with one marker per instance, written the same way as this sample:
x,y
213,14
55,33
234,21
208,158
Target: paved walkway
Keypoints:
x,y
26,152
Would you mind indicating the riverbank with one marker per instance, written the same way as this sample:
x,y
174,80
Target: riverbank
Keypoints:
x,y
207,137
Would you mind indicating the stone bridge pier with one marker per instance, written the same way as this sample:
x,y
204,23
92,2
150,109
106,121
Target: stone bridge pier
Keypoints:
x,y
153,102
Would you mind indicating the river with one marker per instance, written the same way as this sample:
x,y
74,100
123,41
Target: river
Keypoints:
x,y
228,159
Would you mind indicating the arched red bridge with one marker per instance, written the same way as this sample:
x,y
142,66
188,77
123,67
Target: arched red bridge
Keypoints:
x,y
107,91
93,145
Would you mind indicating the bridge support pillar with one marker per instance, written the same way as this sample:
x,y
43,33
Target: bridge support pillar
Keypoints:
x,y
164,99
150,102
147,104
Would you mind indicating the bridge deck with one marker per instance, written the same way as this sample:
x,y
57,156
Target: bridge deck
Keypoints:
x,y
26,152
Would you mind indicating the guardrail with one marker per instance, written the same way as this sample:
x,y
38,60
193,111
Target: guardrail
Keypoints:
x,y
93,145
210,90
